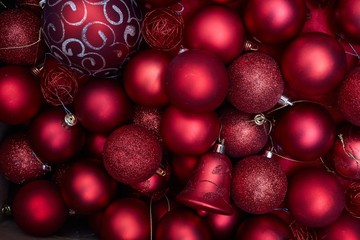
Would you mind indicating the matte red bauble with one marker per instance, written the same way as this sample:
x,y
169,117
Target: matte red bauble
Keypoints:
x,y
18,162
243,135
264,227
38,208
52,139
102,105
315,198
132,154
20,38
20,95
86,187
189,133
347,15
258,185
196,81
349,97
96,39
274,21
144,78
94,145
216,29
126,218
305,131
308,64
182,224
183,167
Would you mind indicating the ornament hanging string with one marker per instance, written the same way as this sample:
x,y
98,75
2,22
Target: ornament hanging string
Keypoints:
x,y
2,4
349,154
300,232
354,53
45,167
260,120
151,220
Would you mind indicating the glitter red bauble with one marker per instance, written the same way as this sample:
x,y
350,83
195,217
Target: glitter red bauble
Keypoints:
x,y
183,167
196,81
144,78
258,185
38,208
182,224
102,105
52,139
216,29
126,218
256,83
349,97
20,95
315,198
347,15
308,64
132,154
148,118
86,187
264,227
20,37
242,135
305,131
274,21
18,162
189,133
96,39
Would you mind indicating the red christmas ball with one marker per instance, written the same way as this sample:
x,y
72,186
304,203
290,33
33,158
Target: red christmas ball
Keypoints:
x,y
38,208
52,139
196,81
308,64
274,21
144,78
264,227
243,134
189,133
258,185
216,29
94,145
126,218
305,131
20,38
183,167
18,162
349,98
148,118
182,223
347,15
20,95
256,83
315,198
95,39
86,187
102,105
132,154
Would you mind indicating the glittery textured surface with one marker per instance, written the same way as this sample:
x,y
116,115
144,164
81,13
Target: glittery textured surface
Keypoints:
x,y
256,83
241,135
149,118
259,185
132,154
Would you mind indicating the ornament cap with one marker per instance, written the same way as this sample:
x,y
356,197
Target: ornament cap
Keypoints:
x,y
219,147
70,119
46,168
251,46
285,101
161,172
268,154
6,210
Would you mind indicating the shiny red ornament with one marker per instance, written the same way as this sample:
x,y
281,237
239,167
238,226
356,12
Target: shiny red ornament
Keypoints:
x,y
132,154
18,162
126,218
20,37
94,145
20,95
144,78
347,15
216,29
256,83
305,131
258,185
52,139
95,39
87,188
196,81
38,208
352,199
102,105
308,64
183,167
189,133
266,226
349,98
274,21
182,224
315,198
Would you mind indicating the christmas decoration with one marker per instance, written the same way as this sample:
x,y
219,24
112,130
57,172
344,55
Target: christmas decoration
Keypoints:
x,y
94,145
183,167
346,14
95,39
160,3
352,199
148,118
345,227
